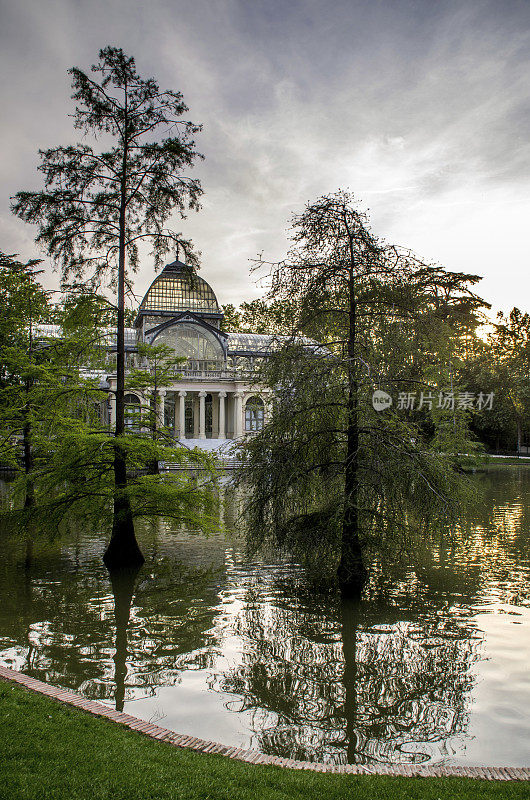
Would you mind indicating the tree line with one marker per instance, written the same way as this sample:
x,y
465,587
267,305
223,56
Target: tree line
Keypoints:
x,y
491,358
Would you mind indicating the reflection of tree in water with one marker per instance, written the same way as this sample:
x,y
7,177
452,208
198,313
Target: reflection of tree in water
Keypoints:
x,y
343,683
123,583
66,623
387,680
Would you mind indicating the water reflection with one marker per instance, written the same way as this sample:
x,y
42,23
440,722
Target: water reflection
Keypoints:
x,y
351,682
123,583
243,651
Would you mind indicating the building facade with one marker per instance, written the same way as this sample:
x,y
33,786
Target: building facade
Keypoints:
x,y
211,394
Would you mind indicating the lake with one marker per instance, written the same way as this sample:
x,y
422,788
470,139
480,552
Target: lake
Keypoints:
x,y
431,667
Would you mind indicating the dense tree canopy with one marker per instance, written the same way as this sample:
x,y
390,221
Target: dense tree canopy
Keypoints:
x,y
53,434
330,471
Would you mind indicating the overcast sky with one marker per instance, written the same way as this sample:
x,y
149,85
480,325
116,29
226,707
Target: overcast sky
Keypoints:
x,y
420,107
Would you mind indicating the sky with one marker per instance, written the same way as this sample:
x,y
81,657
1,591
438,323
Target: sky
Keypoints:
x,y
419,107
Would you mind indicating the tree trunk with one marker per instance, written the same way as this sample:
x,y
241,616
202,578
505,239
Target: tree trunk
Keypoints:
x,y
29,497
519,434
351,572
123,550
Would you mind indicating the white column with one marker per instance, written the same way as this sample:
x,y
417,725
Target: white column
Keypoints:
x,y
112,399
222,430
202,415
182,415
175,416
238,415
161,406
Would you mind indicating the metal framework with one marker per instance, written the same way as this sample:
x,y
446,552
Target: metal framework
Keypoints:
x,y
180,292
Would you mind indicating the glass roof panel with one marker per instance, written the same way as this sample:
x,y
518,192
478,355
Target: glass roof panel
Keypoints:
x,y
259,343
180,292
250,342
191,341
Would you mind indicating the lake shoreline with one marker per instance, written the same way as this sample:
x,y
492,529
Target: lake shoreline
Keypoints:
x,y
157,733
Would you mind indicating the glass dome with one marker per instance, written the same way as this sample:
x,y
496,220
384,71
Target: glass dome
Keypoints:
x,y
177,289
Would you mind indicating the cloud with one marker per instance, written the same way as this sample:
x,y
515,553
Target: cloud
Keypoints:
x,y
420,108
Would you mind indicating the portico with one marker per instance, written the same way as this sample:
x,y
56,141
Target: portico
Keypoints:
x,y
212,412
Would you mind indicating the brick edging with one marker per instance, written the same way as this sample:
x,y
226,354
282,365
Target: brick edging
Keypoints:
x,y
253,756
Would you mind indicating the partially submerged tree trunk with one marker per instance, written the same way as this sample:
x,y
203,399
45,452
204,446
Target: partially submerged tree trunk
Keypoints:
x,y
123,549
351,573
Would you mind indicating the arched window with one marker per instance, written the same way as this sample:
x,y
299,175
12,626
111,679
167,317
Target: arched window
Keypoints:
x,y
132,412
254,414
192,342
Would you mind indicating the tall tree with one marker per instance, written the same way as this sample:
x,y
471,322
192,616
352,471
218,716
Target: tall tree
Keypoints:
x,y
98,205
330,471
25,304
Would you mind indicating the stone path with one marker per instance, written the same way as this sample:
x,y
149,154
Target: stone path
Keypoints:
x,y
253,756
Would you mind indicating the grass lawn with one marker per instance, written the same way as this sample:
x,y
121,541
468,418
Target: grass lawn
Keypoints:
x,y
502,461
53,751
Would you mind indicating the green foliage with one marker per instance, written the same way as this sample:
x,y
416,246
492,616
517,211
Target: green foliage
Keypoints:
x,y
500,363
231,318
52,434
43,384
78,211
408,465
24,303
328,467
260,316
78,480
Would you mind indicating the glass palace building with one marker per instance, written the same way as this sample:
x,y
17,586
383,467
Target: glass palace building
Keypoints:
x,y
211,395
